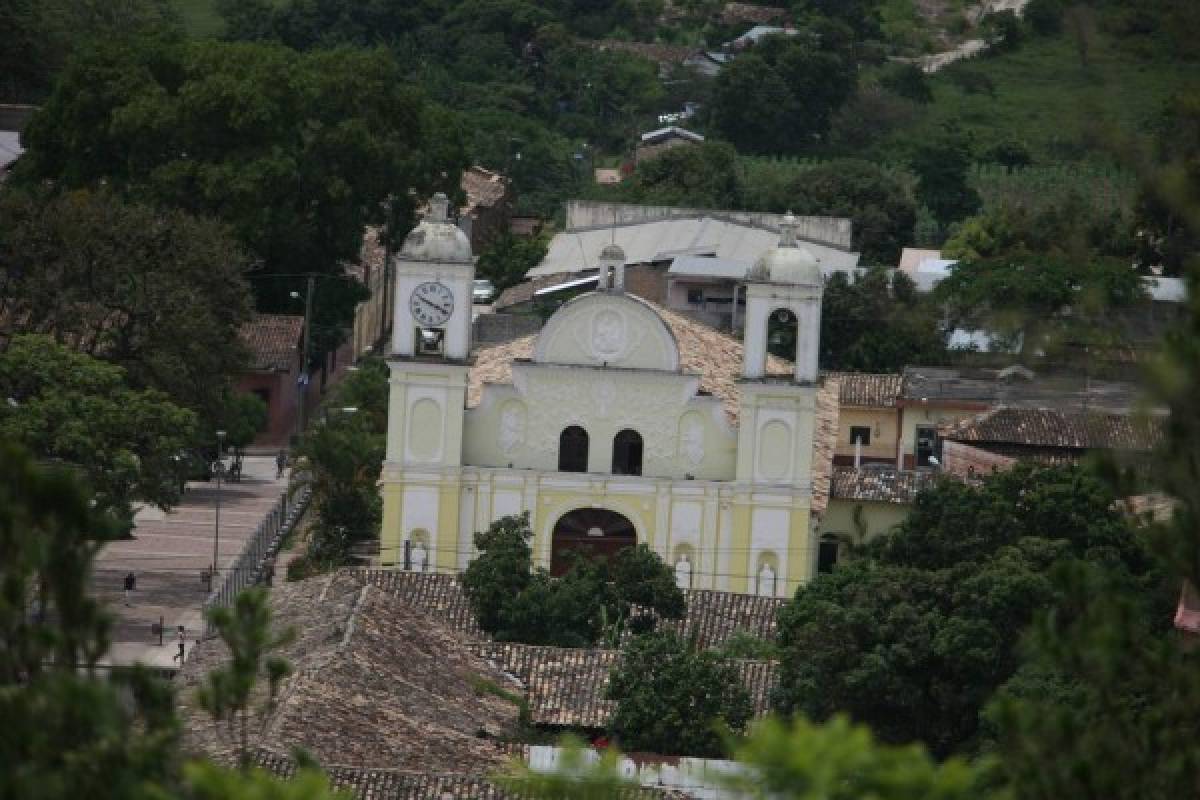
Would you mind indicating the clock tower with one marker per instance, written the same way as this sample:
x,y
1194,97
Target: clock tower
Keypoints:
x,y
431,340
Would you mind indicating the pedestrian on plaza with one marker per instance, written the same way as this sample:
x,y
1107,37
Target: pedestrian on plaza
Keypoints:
x,y
280,463
130,585
181,639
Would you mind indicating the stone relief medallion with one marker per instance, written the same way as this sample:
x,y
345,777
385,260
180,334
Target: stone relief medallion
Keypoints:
x,y
609,336
691,439
512,427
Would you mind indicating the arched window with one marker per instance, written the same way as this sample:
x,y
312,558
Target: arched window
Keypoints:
x,y
573,450
627,453
827,553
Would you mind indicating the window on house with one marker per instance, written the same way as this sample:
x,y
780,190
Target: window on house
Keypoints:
x,y
695,297
860,435
573,450
827,553
627,453
928,446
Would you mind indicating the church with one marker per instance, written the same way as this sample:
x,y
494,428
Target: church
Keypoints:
x,y
619,423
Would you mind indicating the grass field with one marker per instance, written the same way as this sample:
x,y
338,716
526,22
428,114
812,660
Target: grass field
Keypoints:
x,y
1044,99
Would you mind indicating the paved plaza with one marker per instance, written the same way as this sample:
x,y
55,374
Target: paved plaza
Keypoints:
x,y
168,555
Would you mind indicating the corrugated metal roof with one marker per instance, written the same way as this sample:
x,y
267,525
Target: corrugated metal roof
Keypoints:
x,y
10,147
671,130
663,240
708,267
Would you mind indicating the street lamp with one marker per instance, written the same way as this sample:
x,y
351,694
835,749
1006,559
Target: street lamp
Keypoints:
x,y
217,523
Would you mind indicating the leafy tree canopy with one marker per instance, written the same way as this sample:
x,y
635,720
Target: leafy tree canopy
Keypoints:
x,y
674,698
595,599
915,637
941,165
509,257
68,407
295,152
701,176
161,294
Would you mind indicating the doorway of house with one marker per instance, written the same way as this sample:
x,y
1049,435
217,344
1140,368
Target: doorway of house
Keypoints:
x,y
590,532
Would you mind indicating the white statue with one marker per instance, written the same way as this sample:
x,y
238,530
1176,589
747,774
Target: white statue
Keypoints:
x,y
419,556
683,572
766,581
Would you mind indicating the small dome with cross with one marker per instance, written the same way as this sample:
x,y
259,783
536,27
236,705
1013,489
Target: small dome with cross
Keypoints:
x,y
788,262
436,238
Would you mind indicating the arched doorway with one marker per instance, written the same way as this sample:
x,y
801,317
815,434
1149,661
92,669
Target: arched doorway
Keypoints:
x,y
592,532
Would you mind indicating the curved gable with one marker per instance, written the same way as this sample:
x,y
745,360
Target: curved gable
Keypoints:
x,y
601,328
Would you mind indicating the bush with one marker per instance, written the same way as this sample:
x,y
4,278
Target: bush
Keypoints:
x,y
1044,17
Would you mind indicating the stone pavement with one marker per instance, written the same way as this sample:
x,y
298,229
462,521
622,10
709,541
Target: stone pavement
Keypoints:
x,y
167,556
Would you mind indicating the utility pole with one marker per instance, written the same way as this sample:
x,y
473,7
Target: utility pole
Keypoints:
x,y
220,467
304,376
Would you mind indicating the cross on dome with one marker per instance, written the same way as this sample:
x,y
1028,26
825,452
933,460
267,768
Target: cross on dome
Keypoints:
x,y
787,230
439,207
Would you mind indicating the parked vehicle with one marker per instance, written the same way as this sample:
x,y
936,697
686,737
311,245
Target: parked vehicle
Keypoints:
x,y
484,291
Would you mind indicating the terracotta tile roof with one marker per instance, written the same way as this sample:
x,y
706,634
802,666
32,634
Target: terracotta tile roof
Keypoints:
x,y
880,484
712,616
658,53
389,784
565,686
825,435
273,341
482,187
376,682
714,356
869,389
1050,428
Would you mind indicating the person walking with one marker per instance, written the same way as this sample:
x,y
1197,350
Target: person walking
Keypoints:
x,y
130,585
181,640
280,463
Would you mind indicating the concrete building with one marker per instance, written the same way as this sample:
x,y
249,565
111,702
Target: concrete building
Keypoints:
x,y
619,423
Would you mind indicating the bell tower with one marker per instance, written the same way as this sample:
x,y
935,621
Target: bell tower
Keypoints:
x,y
431,342
777,418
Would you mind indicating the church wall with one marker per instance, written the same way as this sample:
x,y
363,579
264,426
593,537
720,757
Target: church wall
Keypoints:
x,y
520,425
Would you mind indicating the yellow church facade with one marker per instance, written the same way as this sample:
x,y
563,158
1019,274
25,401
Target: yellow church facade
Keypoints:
x,y
620,422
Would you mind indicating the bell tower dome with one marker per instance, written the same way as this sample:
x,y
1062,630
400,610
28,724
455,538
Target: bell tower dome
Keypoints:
x,y
786,279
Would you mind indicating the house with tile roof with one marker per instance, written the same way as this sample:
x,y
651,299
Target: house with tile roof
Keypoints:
x,y
620,422
273,341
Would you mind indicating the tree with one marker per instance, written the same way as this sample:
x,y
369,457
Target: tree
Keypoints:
x,y
508,258
877,324
69,731
941,166
882,212
343,457
914,638
160,293
70,408
842,761
245,415
1165,236
674,699
704,175
595,599
227,693
295,152
501,570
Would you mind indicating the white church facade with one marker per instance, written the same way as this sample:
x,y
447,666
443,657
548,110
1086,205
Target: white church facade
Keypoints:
x,y
618,423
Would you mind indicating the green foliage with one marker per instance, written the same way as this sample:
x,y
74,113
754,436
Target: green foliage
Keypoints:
x,y
743,644
941,167
929,619
1044,17
780,97
1165,238
245,415
295,152
501,571
908,81
508,258
364,388
227,693
68,407
595,599
340,460
705,175
160,293
841,761
878,324
675,699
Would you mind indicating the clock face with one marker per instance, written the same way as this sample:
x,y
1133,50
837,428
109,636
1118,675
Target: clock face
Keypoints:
x,y
431,304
